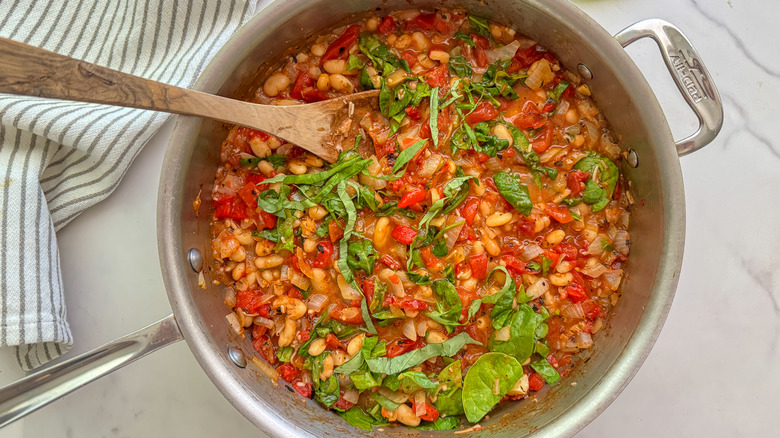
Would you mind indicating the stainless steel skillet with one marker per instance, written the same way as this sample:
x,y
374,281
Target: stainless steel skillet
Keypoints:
x,y
657,228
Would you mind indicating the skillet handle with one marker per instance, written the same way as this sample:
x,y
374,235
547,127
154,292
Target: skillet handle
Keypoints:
x,y
690,75
43,387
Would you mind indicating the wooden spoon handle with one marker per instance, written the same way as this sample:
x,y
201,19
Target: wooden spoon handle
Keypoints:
x,y
33,71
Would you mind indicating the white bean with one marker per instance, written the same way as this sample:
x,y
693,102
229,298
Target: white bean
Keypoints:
x,y
275,84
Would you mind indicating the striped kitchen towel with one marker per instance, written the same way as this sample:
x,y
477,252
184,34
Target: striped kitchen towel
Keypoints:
x,y
57,158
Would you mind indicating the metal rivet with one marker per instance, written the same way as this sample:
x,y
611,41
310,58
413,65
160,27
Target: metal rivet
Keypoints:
x,y
195,259
632,158
237,357
584,71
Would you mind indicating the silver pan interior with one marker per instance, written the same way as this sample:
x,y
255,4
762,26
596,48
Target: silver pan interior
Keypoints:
x,y
657,228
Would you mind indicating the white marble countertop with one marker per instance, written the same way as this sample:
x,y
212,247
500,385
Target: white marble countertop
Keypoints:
x,y
713,371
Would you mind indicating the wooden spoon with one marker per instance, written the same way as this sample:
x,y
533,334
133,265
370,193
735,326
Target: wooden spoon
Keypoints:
x,y
33,71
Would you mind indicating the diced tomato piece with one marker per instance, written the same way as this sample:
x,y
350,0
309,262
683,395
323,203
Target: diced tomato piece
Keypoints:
x,y
413,113
530,117
480,41
386,26
311,94
258,330
323,255
288,372
430,414
304,335
567,248
293,292
368,289
265,348
304,389
535,382
302,81
466,233
591,309
553,361
543,140
339,48
480,57
548,107
514,265
349,315
407,304
484,111
266,220
413,196
575,181
576,292
335,230
526,226
469,209
343,404
332,341
526,57
409,57
478,264
231,207
466,297
390,262
558,212
438,76
428,257
249,300
400,346
421,22
404,234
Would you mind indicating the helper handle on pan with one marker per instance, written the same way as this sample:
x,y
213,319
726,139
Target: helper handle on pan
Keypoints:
x,y
43,387
690,75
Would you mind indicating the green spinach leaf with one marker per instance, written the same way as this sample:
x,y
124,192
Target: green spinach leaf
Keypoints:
x,y
514,192
544,369
401,363
356,417
479,395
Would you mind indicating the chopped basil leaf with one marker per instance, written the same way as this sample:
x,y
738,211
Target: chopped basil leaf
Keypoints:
x,y
284,354
546,263
595,195
448,307
407,154
465,38
608,173
401,363
556,93
365,80
361,255
434,115
353,63
514,192
328,391
418,279
460,66
356,417
544,369
385,402
441,423
480,26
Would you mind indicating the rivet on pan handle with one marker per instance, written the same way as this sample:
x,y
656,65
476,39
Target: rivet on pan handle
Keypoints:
x,y
690,75
43,387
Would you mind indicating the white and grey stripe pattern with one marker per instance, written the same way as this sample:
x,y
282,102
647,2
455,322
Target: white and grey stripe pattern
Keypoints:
x,y
58,158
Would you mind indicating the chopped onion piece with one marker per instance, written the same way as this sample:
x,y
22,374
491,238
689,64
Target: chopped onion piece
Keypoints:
x,y
538,289
268,370
493,164
230,297
284,272
531,251
232,319
573,311
430,165
316,302
394,283
409,330
347,291
503,334
583,340
298,280
613,277
622,242
594,269
419,403
596,247
265,322
351,395
503,52
396,396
